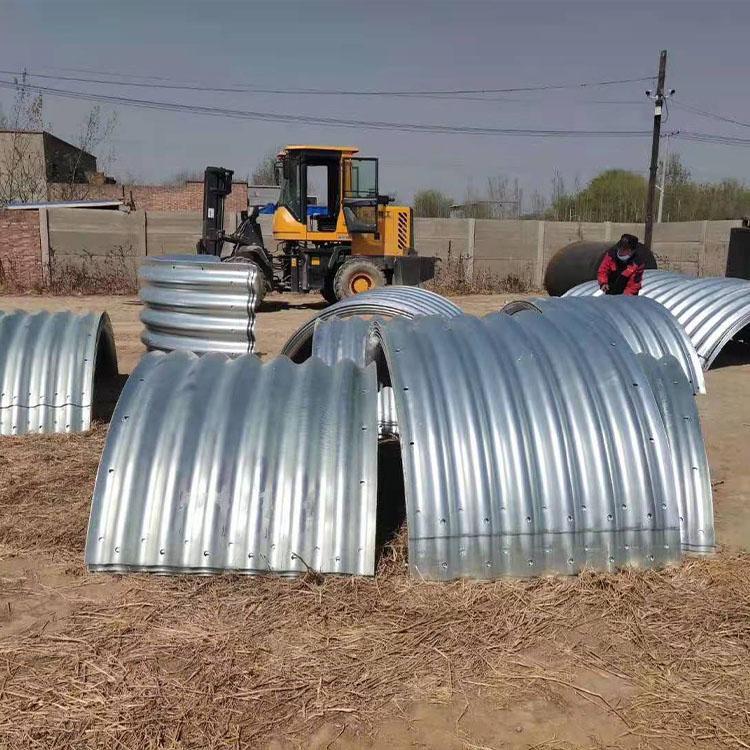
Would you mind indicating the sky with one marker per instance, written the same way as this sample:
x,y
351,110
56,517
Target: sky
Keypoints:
x,y
411,45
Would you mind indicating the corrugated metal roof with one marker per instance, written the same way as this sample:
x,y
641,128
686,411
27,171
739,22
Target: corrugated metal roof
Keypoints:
x,y
198,303
214,464
644,323
712,310
384,302
49,363
531,447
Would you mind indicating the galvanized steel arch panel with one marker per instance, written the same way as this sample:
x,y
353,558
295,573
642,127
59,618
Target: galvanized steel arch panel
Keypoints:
x,y
50,365
514,432
197,303
644,323
384,302
712,310
215,464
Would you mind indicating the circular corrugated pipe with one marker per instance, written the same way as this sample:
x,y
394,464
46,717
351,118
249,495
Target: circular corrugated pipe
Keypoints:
x,y
579,262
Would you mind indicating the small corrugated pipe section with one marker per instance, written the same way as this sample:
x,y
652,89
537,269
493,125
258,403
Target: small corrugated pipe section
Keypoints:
x,y
644,323
216,464
198,303
384,303
52,365
712,310
530,447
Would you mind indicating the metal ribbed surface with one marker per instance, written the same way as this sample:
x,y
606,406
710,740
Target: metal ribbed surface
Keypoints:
x,y
712,310
385,302
49,363
353,338
197,303
216,464
530,446
645,324
343,338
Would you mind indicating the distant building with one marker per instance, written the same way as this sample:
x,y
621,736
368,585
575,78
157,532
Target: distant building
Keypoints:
x,y
33,160
261,195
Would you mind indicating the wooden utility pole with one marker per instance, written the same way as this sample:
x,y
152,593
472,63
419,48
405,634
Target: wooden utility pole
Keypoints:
x,y
658,104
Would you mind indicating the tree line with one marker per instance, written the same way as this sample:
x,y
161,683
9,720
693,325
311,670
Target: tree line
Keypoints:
x,y
613,195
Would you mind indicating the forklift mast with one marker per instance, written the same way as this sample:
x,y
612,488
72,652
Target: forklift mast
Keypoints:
x,y
217,184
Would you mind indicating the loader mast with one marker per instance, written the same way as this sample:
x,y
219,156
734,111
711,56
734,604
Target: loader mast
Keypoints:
x,y
217,184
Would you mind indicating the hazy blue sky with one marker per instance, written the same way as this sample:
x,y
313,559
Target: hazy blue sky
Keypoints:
x,y
396,45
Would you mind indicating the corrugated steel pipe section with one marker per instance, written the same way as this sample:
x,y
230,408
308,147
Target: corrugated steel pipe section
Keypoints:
x,y
645,324
712,310
385,302
214,464
197,303
51,364
354,338
531,447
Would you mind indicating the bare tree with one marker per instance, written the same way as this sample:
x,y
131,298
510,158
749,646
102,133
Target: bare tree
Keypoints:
x,y
22,171
95,133
265,172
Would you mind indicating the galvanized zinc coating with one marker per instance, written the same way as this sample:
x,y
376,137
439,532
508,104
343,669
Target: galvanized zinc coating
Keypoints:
x,y
197,303
515,431
712,310
216,464
645,324
354,338
49,366
384,302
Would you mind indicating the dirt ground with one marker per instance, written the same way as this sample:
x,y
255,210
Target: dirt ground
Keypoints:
x,y
654,659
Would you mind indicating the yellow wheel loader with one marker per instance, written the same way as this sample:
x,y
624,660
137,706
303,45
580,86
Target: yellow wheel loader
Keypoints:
x,y
352,242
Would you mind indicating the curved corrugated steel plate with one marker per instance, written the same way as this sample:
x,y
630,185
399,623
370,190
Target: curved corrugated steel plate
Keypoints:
x,y
197,303
644,323
354,338
531,447
384,302
712,310
216,464
343,338
50,363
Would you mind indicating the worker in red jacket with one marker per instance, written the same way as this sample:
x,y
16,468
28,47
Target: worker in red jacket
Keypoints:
x,y
621,269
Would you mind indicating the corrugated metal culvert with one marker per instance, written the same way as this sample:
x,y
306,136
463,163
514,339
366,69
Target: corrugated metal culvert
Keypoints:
x,y
354,339
644,323
51,364
712,310
385,303
215,464
530,446
198,303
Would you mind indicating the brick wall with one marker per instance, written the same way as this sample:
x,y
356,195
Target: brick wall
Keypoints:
x,y
178,198
20,251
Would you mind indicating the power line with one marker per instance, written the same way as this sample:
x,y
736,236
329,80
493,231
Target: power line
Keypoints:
x,y
165,83
717,138
325,121
711,115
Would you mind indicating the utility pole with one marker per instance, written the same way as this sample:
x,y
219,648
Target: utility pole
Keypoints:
x,y
663,181
658,104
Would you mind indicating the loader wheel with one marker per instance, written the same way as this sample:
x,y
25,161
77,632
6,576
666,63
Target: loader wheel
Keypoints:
x,y
329,295
356,276
261,285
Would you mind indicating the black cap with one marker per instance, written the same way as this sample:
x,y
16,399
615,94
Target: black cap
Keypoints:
x,y
628,240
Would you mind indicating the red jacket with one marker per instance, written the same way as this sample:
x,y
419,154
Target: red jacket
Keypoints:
x,y
622,277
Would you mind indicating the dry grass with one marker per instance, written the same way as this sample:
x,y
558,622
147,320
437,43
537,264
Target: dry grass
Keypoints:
x,y
46,483
147,662
452,278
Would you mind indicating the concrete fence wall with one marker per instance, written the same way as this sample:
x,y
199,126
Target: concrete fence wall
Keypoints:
x,y
487,249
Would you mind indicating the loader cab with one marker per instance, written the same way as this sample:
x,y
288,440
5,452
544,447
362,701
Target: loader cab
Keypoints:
x,y
345,188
